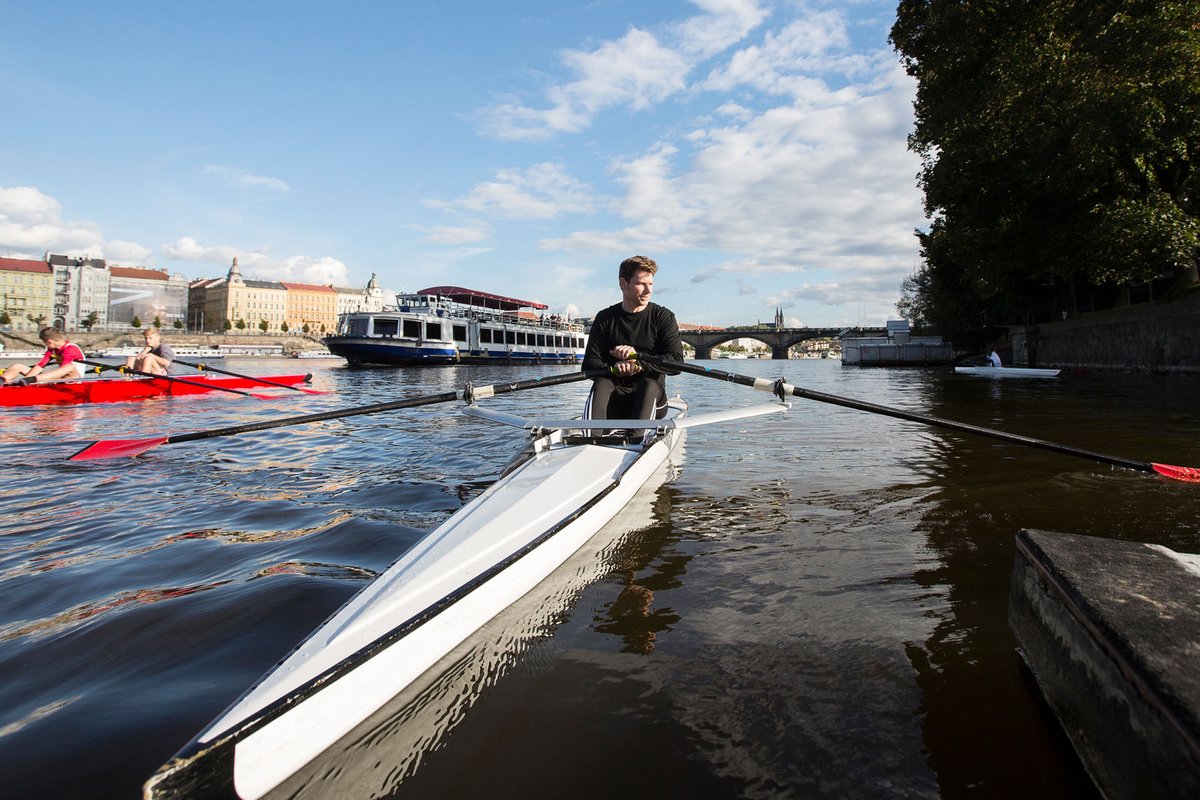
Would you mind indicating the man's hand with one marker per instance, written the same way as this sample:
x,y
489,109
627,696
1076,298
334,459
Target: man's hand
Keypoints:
x,y
625,366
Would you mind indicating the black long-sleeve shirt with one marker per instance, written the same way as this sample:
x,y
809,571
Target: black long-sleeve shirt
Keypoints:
x,y
652,331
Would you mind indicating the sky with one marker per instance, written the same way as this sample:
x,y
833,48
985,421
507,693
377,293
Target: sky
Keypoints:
x,y
756,149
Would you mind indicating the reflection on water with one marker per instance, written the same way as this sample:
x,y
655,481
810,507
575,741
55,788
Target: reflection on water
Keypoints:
x,y
816,606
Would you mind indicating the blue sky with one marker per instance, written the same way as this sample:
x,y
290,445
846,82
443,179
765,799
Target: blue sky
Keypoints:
x,y
754,148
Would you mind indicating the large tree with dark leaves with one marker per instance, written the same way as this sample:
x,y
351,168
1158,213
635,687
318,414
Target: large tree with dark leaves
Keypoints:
x,y
1058,139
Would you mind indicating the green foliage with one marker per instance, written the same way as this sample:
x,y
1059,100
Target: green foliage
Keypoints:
x,y
240,324
157,322
90,321
5,319
1057,141
177,324
283,326
263,325
136,322
228,324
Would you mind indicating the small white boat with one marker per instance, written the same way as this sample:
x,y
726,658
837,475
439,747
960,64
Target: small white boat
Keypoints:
x,y
1008,372
567,484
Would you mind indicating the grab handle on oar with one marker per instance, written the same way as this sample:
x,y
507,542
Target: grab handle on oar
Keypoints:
x,y
1189,474
131,447
206,386
206,368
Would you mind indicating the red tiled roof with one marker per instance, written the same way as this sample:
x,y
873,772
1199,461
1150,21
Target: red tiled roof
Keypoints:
x,y
309,287
138,272
24,265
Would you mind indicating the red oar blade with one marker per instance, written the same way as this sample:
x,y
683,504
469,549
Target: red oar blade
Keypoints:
x,y
1189,474
118,448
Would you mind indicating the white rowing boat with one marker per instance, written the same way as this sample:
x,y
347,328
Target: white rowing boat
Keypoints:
x,y
1008,372
563,488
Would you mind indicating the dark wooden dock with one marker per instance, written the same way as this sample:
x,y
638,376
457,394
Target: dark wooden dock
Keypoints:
x,y
1111,632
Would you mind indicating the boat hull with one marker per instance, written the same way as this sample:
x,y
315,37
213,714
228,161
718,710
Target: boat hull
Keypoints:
x,y
110,390
486,557
1007,372
358,350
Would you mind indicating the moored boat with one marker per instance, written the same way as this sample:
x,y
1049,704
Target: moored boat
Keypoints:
x,y
451,325
1008,372
115,390
566,485
208,353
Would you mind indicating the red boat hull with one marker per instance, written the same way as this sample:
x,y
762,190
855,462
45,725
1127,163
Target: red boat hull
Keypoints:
x,y
116,390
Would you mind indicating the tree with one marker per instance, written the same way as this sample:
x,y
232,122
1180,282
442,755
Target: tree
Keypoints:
x,y
157,322
136,322
283,326
305,328
241,324
177,324
263,325
1056,141
228,324
5,319
90,321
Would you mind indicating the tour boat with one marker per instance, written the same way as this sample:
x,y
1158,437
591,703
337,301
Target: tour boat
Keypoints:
x,y
451,325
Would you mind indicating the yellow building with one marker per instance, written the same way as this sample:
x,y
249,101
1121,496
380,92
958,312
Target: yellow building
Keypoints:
x,y
26,294
311,308
235,304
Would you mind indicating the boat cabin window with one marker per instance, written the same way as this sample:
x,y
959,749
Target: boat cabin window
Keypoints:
x,y
460,333
541,340
485,335
433,330
558,341
356,327
412,329
385,327
520,337
510,337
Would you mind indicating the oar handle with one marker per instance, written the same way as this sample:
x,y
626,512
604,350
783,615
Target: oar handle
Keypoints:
x,y
778,387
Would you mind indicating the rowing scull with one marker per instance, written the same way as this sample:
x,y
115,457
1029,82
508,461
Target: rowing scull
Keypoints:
x,y
565,486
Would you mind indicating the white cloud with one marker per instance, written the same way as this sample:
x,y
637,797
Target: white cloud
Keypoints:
x,y
543,191
259,265
633,72
457,234
241,177
188,249
31,225
302,269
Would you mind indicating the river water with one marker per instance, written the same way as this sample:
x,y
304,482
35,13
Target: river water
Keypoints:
x,y
813,605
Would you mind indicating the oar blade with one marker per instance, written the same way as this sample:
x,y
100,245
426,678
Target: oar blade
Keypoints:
x,y
118,448
1189,474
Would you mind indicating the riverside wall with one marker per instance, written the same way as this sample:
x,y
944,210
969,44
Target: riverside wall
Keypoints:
x,y
1157,338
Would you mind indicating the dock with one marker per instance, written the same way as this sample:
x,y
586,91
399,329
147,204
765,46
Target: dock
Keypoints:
x,y
1111,633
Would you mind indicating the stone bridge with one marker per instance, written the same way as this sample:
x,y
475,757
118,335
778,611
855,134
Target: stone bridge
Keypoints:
x,y
778,340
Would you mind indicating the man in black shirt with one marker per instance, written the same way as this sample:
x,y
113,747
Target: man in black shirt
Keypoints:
x,y
635,325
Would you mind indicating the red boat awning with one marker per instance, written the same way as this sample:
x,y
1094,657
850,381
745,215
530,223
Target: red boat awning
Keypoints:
x,y
472,297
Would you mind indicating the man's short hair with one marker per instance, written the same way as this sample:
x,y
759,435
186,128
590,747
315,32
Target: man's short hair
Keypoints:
x,y
635,264
50,332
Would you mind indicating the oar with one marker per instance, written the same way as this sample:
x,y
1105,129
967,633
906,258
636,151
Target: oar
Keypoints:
x,y
131,447
204,367
1190,474
131,371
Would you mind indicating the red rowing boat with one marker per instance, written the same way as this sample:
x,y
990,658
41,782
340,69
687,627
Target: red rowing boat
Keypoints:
x,y
115,390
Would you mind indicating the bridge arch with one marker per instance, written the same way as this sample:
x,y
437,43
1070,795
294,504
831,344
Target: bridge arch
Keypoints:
x,y
780,341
